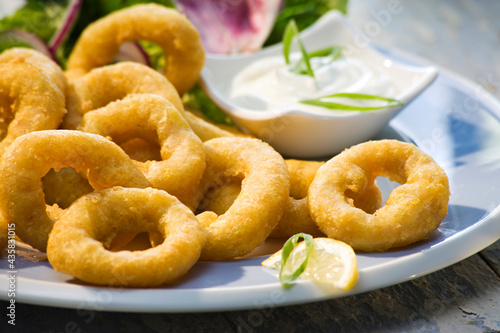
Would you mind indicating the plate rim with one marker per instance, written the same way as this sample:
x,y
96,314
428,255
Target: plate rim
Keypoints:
x,y
485,231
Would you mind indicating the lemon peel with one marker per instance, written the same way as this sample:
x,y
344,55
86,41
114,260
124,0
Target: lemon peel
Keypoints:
x,y
329,261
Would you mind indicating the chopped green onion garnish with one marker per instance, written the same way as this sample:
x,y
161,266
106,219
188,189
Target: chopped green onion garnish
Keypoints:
x,y
286,279
287,41
333,53
291,32
303,67
338,106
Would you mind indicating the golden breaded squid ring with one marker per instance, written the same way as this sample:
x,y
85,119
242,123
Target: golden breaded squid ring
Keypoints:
x,y
126,210
154,119
264,190
141,150
39,61
31,156
4,238
63,187
296,217
207,130
219,199
99,43
202,127
107,84
412,211
29,101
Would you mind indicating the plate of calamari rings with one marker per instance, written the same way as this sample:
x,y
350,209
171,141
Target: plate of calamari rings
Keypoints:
x,y
115,197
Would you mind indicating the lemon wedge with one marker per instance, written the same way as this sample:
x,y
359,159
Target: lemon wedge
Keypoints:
x,y
330,261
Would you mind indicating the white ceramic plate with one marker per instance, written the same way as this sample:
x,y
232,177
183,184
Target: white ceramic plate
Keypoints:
x,y
295,132
454,121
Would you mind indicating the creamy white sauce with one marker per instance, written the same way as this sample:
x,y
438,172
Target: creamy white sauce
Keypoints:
x,y
268,84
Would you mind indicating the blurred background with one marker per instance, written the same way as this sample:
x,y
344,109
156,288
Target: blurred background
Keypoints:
x,y
462,36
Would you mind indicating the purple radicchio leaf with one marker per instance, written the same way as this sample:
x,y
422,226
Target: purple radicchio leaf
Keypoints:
x,y
231,26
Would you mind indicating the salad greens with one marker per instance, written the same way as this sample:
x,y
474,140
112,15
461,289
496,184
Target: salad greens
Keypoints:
x,y
44,18
39,17
197,99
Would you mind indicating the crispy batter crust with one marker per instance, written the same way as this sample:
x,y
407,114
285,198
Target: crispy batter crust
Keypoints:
x,y
31,156
29,101
107,84
38,60
154,119
75,244
411,213
265,186
99,43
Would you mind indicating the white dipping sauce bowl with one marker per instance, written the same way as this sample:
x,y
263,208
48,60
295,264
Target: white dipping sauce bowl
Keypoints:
x,y
296,133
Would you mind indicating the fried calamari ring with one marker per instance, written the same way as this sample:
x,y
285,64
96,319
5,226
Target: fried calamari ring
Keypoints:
x,y
104,85
31,156
142,150
29,101
219,199
370,200
411,213
154,119
264,190
4,238
65,186
207,130
92,217
296,218
99,43
39,61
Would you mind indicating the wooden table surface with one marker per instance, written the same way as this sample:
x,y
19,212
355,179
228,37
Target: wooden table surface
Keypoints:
x,y
463,36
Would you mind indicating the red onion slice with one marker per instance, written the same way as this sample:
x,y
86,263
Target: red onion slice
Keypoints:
x,y
25,37
132,51
67,24
232,26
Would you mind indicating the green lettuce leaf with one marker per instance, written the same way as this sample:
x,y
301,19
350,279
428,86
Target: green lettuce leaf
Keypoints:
x,y
197,100
41,18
